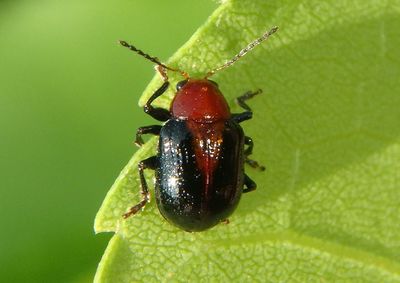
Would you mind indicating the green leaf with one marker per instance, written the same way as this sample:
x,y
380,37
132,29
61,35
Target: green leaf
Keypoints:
x,y
327,208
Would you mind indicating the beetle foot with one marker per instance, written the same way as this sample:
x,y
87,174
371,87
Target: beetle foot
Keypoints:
x,y
255,164
225,221
134,209
138,142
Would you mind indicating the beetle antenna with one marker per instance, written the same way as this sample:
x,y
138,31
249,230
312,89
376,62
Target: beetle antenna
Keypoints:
x,y
243,52
161,67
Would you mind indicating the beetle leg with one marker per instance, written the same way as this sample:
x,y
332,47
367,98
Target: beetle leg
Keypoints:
x,y
248,114
241,100
149,163
249,183
248,151
157,113
240,117
154,130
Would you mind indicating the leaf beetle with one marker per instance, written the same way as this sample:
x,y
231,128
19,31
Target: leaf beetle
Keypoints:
x,y
202,149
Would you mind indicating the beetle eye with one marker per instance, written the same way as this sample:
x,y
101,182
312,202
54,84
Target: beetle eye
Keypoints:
x,y
213,83
180,85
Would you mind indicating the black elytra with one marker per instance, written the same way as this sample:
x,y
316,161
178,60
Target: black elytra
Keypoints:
x,y
202,149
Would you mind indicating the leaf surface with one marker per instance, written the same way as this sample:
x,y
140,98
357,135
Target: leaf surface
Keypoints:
x,y
327,208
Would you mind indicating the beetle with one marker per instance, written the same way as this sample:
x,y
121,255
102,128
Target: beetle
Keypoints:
x,y
202,149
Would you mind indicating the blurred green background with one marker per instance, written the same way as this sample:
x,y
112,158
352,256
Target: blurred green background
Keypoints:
x,y
68,114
